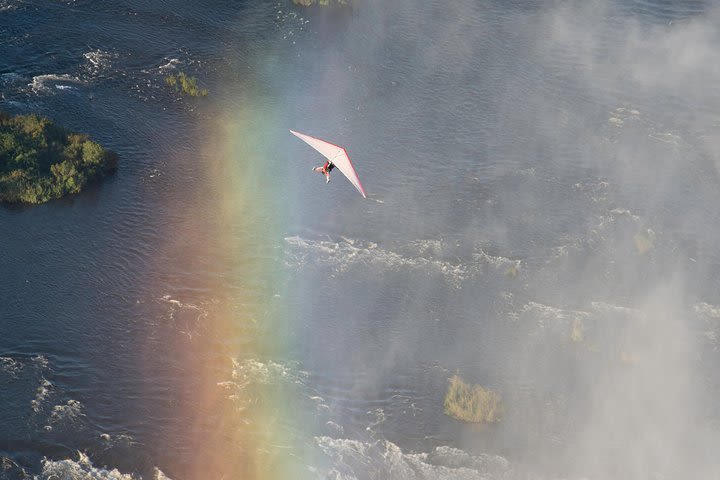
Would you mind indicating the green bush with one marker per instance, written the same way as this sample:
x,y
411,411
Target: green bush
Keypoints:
x,y
185,85
92,153
40,161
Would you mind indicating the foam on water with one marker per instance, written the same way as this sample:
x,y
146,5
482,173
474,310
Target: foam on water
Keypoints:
x,y
379,459
170,64
610,230
28,376
121,440
44,83
10,470
10,77
627,123
148,82
290,23
249,373
604,308
710,323
83,469
596,191
10,366
188,318
40,361
41,394
69,414
335,428
98,61
707,310
6,5
346,254
559,320
426,256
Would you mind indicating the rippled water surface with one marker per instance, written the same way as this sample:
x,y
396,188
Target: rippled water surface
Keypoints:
x,y
541,220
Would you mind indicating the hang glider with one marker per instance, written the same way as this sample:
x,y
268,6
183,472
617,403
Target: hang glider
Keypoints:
x,y
335,154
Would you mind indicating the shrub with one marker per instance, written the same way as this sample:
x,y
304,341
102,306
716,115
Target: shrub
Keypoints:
x,y
40,161
92,153
185,85
577,333
472,403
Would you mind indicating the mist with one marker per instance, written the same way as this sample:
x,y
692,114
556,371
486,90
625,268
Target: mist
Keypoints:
x,y
542,184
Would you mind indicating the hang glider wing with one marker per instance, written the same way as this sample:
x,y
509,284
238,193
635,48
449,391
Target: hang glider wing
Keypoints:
x,y
337,155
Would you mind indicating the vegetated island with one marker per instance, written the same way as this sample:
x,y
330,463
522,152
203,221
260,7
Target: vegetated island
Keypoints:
x,y
41,161
472,403
185,85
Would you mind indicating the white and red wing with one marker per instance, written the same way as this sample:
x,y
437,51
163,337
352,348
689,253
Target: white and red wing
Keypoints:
x,y
337,155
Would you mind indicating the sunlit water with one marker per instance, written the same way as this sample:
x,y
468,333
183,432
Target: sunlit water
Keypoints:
x,y
542,220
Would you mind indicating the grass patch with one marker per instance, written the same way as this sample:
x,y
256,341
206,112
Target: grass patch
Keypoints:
x,y
472,403
643,241
185,85
577,333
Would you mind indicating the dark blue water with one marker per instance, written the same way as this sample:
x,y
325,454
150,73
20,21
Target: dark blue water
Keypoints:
x,y
542,220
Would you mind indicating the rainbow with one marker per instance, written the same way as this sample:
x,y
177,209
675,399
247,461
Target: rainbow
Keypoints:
x,y
235,421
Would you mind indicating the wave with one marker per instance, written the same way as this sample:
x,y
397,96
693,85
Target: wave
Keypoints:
x,y
83,468
611,222
44,83
621,117
11,84
97,61
10,366
11,470
431,256
710,316
603,326
335,427
121,440
188,318
666,137
29,374
497,261
353,459
250,372
69,414
171,64
290,24
254,371
41,394
10,77
609,233
546,315
707,310
596,190
608,308
6,5
40,361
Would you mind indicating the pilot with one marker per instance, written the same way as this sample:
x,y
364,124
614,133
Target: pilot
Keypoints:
x,y
325,170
